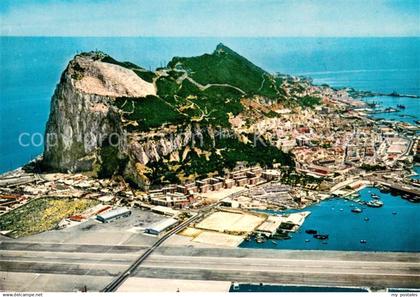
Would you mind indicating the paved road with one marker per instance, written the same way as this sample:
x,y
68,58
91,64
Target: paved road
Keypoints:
x,y
44,266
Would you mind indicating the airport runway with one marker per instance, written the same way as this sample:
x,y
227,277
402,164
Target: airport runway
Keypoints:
x,y
62,267
68,267
357,269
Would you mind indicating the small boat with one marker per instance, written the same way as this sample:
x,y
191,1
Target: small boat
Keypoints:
x,y
400,106
321,236
311,231
341,209
307,240
374,196
389,110
375,203
275,242
363,241
356,210
366,219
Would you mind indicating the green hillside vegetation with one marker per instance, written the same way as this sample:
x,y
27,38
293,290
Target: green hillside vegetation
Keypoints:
x,y
41,215
149,112
182,103
215,85
111,164
224,66
309,101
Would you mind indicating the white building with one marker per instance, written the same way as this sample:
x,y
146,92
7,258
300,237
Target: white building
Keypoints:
x,y
161,226
114,214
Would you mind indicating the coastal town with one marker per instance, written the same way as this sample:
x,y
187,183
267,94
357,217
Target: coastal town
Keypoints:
x,y
338,149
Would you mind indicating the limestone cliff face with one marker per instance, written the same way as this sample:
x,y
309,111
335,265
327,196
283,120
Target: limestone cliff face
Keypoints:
x,y
77,123
145,148
83,118
151,148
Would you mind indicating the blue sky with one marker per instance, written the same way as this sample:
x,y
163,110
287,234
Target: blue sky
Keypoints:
x,y
218,18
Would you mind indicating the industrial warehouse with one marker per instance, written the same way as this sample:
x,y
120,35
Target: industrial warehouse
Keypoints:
x,y
159,227
113,214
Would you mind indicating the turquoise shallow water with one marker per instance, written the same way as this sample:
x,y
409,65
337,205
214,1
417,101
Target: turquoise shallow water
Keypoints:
x,y
31,67
383,232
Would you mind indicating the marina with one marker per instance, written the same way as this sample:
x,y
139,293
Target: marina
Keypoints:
x,y
385,228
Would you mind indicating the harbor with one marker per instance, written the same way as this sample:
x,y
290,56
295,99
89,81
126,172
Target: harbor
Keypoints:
x,y
385,228
404,109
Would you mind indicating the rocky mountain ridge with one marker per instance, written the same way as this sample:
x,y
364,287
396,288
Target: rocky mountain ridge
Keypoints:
x,y
116,118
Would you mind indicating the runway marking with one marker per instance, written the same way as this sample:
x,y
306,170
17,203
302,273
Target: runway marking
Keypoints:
x,y
396,262
289,272
249,266
64,263
253,266
15,253
68,243
279,263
